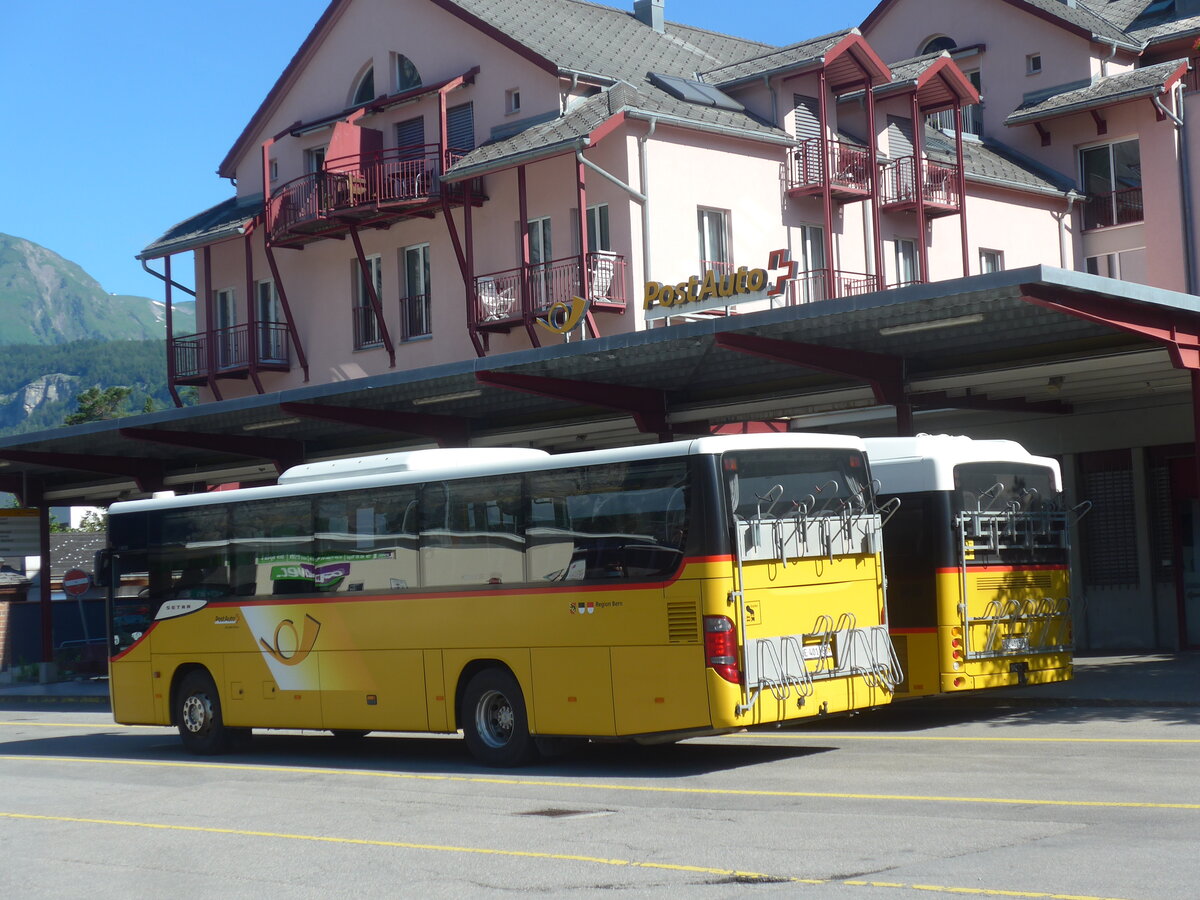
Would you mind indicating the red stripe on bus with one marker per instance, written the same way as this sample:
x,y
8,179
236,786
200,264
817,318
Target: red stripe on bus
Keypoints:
x,y
145,633
953,570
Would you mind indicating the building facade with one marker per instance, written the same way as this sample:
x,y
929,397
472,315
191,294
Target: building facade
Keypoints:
x,y
441,180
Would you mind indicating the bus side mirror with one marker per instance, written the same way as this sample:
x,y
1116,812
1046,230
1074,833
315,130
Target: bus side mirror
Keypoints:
x,y
103,568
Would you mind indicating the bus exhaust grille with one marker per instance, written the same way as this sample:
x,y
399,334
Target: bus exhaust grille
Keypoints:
x,y
1033,581
683,625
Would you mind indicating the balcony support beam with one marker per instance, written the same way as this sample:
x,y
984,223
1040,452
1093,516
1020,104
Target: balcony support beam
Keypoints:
x,y
873,168
919,169
447,431
282,453
648,407
252,339
168,284
373,296
961,179
287,307
209,335
826,176
526,297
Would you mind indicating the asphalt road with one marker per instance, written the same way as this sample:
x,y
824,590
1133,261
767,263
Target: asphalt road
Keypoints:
x,y
914,801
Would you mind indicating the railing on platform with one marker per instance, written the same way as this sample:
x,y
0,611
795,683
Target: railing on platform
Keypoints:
x,y
367,333
403,175
499,296
415,320
1117,208
939,183
848,165
231,348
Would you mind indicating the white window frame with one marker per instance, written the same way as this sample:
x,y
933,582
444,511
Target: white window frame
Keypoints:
x,y
372,334
512,101
997,256
1033,64
907,261
599,235
426,288
710,253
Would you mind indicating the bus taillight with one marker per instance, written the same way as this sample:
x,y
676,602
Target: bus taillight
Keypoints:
x,y
720,647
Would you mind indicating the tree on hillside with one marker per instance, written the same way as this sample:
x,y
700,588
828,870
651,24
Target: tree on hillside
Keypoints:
x,y
96,405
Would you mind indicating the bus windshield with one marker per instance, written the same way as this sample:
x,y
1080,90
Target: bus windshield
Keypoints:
x,y
777,483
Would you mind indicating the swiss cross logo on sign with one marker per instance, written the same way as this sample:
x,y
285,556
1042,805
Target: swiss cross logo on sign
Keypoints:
x,y
76,582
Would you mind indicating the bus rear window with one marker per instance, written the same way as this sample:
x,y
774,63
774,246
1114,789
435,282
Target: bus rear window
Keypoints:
x,y
774,483
996,487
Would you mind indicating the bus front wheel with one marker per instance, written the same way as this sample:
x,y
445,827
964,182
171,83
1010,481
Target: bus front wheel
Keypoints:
x,y
494,721
198,716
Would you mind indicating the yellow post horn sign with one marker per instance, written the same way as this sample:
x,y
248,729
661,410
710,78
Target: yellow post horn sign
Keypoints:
x,y
562,317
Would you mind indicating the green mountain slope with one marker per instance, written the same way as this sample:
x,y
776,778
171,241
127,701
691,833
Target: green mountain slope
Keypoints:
x,y
45,299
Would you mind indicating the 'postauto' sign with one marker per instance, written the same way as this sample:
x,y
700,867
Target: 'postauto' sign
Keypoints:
x,y
714,290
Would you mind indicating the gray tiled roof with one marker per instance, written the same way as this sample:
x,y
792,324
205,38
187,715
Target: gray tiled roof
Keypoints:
x,y
1142,82
1121,13
587,37
991,162
226,219
1085,17
776,59
1165,30
591,113
907,71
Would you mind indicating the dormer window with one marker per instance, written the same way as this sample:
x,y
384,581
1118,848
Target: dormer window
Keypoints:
x,y
937,45
365,92
407,76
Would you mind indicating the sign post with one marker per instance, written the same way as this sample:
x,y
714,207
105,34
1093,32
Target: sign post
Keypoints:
x,y
76,583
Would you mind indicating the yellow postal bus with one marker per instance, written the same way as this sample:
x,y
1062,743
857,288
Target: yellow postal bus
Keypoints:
x,y
652,593
978,562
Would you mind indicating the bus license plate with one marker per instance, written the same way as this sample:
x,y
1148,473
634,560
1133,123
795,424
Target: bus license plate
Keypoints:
x,y
817,651
1015,643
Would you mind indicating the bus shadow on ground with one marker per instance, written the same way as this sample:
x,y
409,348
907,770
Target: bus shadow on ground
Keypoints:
x,y
417,755
923,715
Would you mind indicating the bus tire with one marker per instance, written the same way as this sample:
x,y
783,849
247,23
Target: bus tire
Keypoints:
x,y
494,720
198,716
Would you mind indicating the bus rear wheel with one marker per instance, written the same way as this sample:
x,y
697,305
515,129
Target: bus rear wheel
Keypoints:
x,y
494,720
198,716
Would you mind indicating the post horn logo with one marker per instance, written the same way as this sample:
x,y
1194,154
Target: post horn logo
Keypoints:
x,y
295,647
562,316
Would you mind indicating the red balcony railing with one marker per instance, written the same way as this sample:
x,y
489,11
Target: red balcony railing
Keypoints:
x,y
825,284
387,180
1118,208
367,333
498,295
848,165
232,351
938,182
415,319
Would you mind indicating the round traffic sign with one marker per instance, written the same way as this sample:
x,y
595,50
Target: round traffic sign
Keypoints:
x,y
76,582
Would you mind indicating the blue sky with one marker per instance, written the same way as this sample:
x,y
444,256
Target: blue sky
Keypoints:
x,y
118,112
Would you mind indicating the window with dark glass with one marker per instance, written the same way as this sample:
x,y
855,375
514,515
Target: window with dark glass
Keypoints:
x,y
1112,178
366,540
273,547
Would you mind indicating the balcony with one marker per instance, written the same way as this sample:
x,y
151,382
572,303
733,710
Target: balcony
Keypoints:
x,y
1117,208
829,284
371,189
849,168
938,185
229,353
500,304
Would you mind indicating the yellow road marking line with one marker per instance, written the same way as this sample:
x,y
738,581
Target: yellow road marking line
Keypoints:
x,y
810,736
534,854
600,786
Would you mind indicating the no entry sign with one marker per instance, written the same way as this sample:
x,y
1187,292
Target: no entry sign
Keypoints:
x,y
76,583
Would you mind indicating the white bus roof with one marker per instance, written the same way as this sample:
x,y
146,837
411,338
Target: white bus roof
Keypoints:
x,y
926,462
418,466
